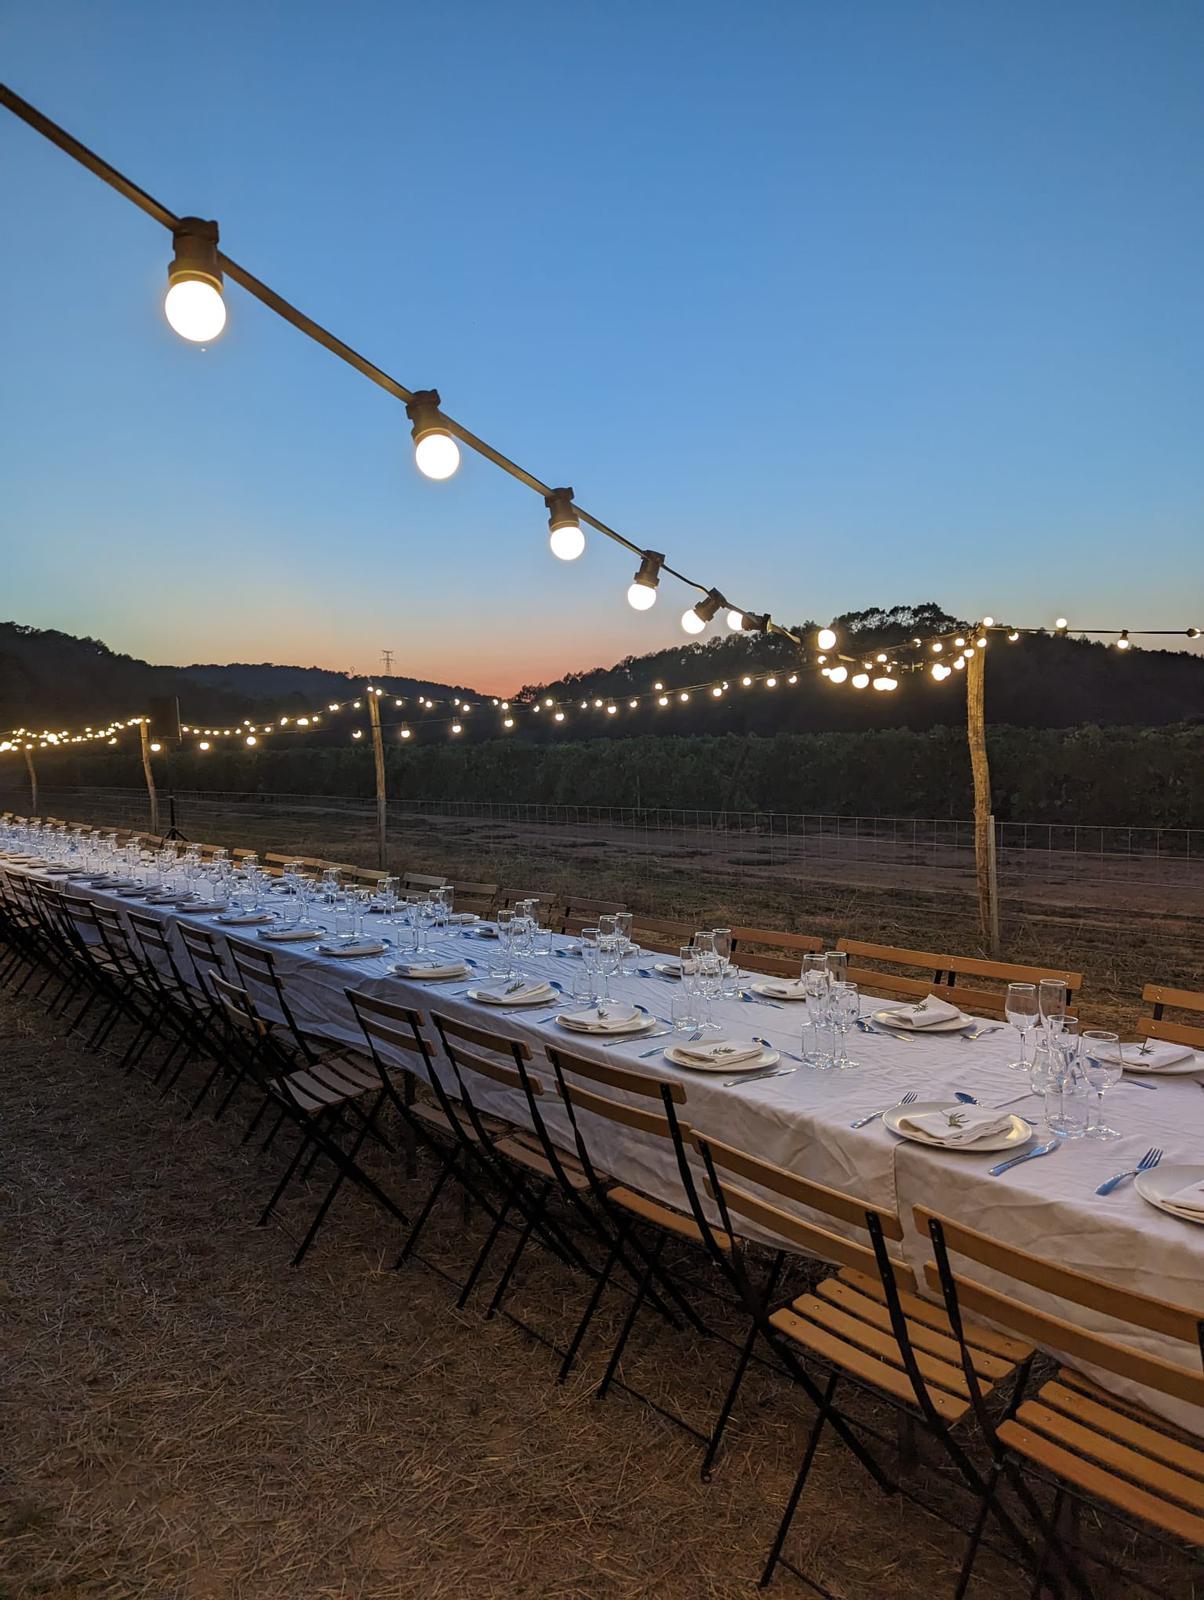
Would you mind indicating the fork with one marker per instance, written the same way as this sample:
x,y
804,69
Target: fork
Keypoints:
x,y
1046,1149
912,1094
1148,1161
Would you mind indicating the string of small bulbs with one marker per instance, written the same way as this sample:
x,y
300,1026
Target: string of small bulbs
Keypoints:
x,y
941,655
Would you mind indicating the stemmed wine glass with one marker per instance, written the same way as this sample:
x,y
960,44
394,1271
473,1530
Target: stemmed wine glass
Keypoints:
x,y
1021,1009
845,1008
710,978
836,963
817,985
1102,1060
610,949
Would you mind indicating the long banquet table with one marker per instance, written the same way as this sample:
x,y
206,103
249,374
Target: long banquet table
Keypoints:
x,y
802,1121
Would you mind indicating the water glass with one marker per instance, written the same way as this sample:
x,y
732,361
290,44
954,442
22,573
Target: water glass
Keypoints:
x,y
1051,997
1021,1009
845,1008
723,943
836,963
683,1011
1101,1060
1067,1109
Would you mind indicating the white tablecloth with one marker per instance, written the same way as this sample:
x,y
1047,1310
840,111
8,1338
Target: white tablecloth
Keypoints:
x,y
1047,1207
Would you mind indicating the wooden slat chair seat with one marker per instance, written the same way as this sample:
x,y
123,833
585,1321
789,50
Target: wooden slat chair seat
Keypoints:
x,y
1156,1025
773,951
657,933
474,897
948,975
1089,1443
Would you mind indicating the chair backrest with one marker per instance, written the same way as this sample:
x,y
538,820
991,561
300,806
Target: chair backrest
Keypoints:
x,y
463,1041
204,954
654,933
478,897
948,973
600,1099
773,950
389,1029
240,1012
1054,1329
256,967
729,1169
577,912
1157,1026
413,881
115,936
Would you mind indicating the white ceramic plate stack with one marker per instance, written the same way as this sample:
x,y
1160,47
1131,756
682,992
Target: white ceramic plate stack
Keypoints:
x,y
1160,1186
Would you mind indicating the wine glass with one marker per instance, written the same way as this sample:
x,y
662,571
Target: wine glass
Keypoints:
x,y
845,1008
1051,998
1020,1008
609,952
623,925
836,963
1101,1057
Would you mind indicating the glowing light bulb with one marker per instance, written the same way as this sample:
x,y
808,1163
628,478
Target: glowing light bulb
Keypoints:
x,y
251,739
195,309
507,722
1123,642
860,680
436,453
959,641
567,541
988,622
610,710
559,716
358,733
746,681
457,727
771,683
937,648
663,700
826,639
717,692
204,744
735,620
837,674
640,597
405,733
155,748
691,621
1061,622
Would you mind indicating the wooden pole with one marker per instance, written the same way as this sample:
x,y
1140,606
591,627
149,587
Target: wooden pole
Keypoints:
x,y
33,782
144,737
984,829
378,752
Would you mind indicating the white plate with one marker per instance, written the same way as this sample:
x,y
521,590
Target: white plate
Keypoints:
x,y
1177,1069
951,1025
1164,1181
639,1024
1018,1132
495,999
768,990
667,969
767,1058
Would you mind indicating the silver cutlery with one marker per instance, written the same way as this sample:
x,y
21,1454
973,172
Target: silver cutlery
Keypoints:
x,y
751,999
981,1033
862,1122
637,1038
885,1033
1148,1161
644,1054
1132,1083
756,1077
757,1039
1029,1155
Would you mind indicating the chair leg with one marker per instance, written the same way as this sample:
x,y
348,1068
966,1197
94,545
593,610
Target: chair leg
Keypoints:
x,y
483,1255
1051,1535
729,1401
976,1533
420,1221
302,1146
796,1492
587,1315
525,1233
336,1185
637,1301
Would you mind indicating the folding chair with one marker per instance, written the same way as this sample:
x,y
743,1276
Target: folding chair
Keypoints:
x,y
189,1008
949,975
862,1327
315,1099
771,950
1072,1436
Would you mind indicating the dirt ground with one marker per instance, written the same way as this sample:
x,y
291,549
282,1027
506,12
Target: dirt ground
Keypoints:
x,y
186,1417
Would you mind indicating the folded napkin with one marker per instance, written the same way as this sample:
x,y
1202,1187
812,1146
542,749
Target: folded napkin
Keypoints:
x,y
207,905
672,967
924,1014
959,1124
244,919
516,996
58,871
1189,1199
290,935
603,1018
415,969
1154,1055
117,884
360,947
785,988
718,1052
463,917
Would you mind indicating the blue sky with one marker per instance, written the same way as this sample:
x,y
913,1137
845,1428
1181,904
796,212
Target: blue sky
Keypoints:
x,y
837,304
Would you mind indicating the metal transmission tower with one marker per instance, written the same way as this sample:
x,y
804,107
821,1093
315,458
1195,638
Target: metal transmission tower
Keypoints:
x,y
386,657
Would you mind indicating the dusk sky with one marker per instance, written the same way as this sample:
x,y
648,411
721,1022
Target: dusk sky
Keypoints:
x,y
836,304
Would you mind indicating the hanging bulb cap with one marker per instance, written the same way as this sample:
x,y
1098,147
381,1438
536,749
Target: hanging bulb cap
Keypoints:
x,y
1193,633
193,304
752,623
436,453
696,618
641,596
564,528
1124,643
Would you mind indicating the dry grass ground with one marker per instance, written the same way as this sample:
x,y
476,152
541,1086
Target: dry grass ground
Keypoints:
x,y
185,1417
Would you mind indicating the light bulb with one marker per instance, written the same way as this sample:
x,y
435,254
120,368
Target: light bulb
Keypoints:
x,y
640,597
691,621
195,309
565,536
837,674
826,639
1060,622
251,739
437,455
204,744
717,691
507,722
937,648
156,748
405,733
735,620
567,542
988,622
860,680
559,716
1121,644
642,593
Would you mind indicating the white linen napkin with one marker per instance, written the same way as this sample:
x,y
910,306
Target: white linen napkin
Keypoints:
x,y
1189,1199
57,871
959,1124
784,988
244,919
519,996
718,1052
1158,1054
207,905
924,1014
603,1019
360,947
290,935
415,969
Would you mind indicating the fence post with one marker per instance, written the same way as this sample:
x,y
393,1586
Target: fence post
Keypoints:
x,y
993,874
984,830
33,782
378,754
144,739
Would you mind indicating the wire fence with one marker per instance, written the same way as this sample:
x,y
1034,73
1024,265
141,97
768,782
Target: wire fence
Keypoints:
x,y
1142,866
